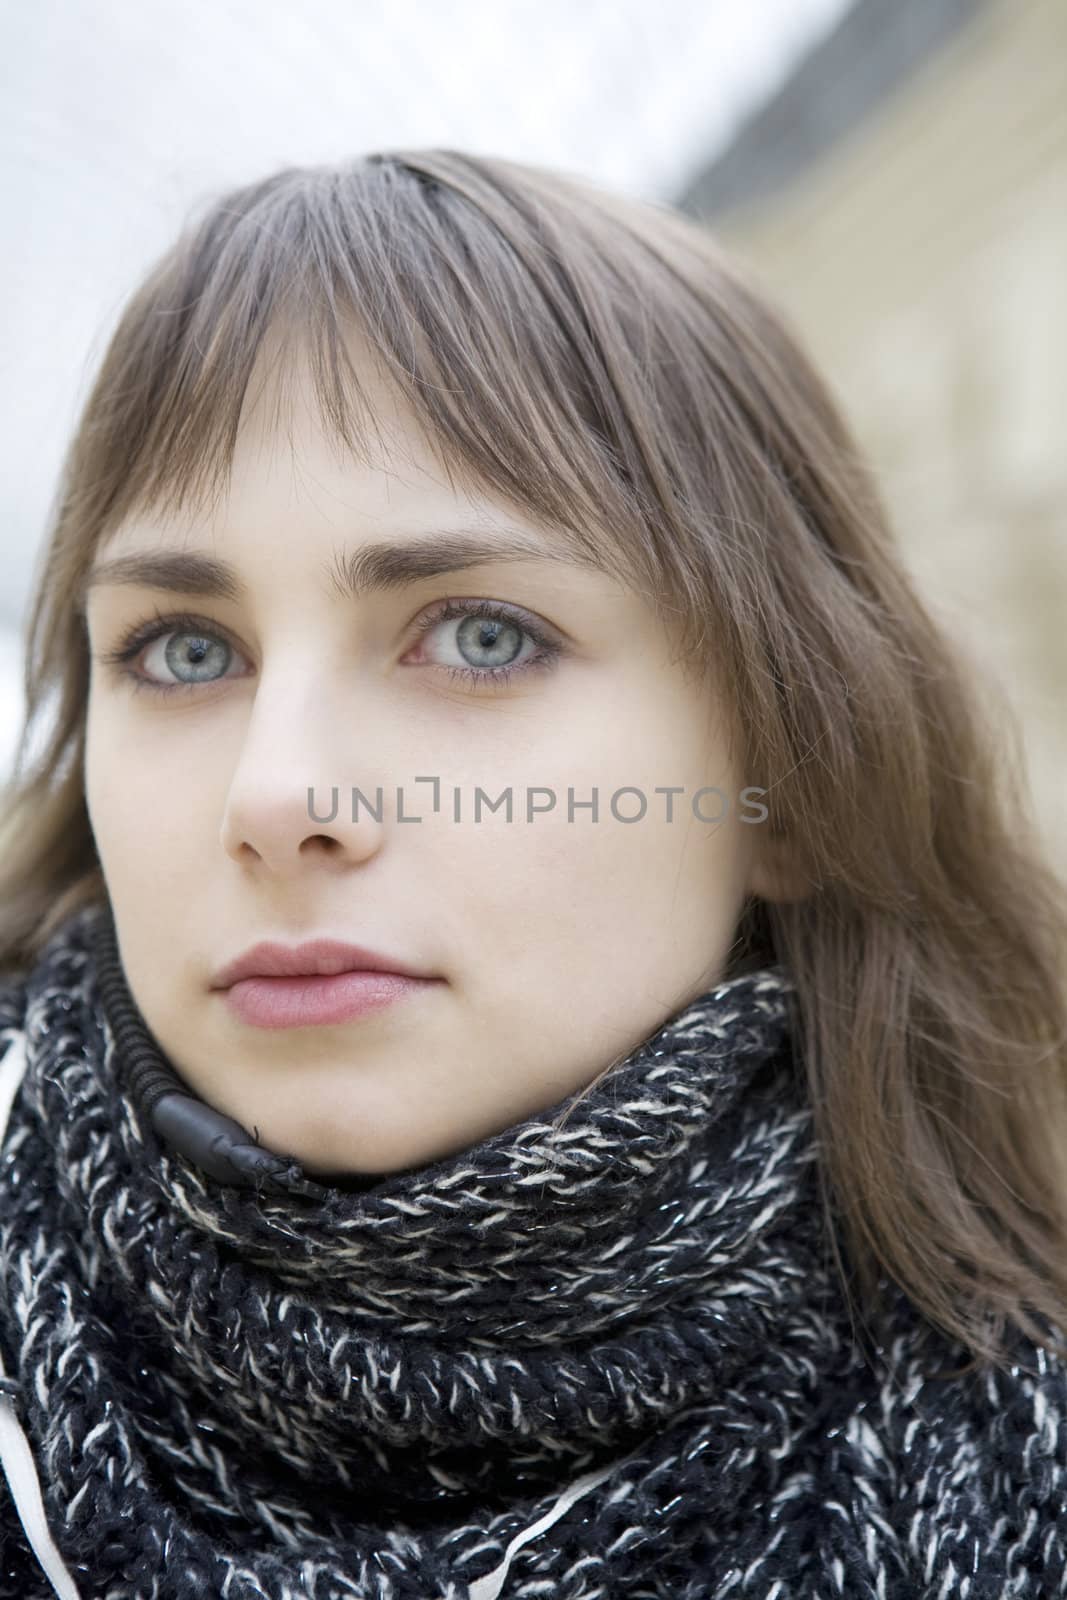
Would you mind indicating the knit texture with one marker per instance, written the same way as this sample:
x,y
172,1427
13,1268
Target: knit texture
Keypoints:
x,y
239,1393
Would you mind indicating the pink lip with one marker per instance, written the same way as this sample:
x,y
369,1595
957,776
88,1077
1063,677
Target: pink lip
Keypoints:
x,y
299,1002
321,981
313,958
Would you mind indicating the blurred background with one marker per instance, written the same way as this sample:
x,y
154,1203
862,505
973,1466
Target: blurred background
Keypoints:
x,y
894,171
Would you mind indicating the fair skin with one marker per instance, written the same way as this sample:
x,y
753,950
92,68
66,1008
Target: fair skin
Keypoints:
x,y
559,945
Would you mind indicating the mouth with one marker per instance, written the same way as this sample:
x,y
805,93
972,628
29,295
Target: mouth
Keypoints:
x,y
316,983
318,999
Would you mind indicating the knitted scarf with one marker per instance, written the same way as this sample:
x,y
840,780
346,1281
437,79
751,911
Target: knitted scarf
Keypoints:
x,y
597,1355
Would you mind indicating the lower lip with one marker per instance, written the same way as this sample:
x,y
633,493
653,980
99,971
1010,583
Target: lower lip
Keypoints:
x,y
306,1002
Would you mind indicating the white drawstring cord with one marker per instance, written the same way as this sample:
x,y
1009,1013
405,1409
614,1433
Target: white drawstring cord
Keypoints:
x,y
489,1587
16,1457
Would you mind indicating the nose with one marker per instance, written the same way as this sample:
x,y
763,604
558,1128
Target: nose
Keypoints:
x,y
289,797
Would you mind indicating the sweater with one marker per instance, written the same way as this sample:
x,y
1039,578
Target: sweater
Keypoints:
x,y
601,1353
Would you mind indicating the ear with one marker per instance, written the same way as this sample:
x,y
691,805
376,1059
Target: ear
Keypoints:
x,y
777,871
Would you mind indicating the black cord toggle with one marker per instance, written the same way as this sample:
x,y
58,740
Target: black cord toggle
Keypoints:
x,y
224,1149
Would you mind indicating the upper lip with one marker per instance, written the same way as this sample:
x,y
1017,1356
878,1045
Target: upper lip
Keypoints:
x,y
316,957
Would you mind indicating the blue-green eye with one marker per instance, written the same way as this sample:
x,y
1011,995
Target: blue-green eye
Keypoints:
x,y
196,653
478,636
489,642
191,652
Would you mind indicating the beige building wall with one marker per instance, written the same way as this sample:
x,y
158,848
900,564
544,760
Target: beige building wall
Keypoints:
x,y
924,263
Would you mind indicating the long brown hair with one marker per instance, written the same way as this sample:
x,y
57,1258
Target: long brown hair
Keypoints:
x,y
603,362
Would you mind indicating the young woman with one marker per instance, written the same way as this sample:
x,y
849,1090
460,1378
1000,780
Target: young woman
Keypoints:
x,y
533,1016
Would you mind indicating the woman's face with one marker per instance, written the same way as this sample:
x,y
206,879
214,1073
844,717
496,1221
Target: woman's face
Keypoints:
x,y
557,942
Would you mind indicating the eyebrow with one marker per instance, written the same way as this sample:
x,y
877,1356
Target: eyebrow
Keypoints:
x,y
353,573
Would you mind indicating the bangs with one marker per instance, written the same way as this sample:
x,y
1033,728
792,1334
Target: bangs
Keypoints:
x,y
506,354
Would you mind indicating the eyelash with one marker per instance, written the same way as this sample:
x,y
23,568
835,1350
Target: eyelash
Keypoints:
x,y
143,634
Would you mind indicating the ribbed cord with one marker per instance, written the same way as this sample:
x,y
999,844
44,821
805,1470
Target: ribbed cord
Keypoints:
x,y
217,1144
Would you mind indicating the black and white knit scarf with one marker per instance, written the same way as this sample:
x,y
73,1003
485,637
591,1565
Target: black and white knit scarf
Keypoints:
x,y
604,1358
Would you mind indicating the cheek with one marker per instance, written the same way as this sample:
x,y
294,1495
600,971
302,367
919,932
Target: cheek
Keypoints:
x,y
557,897
142,806
603,873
